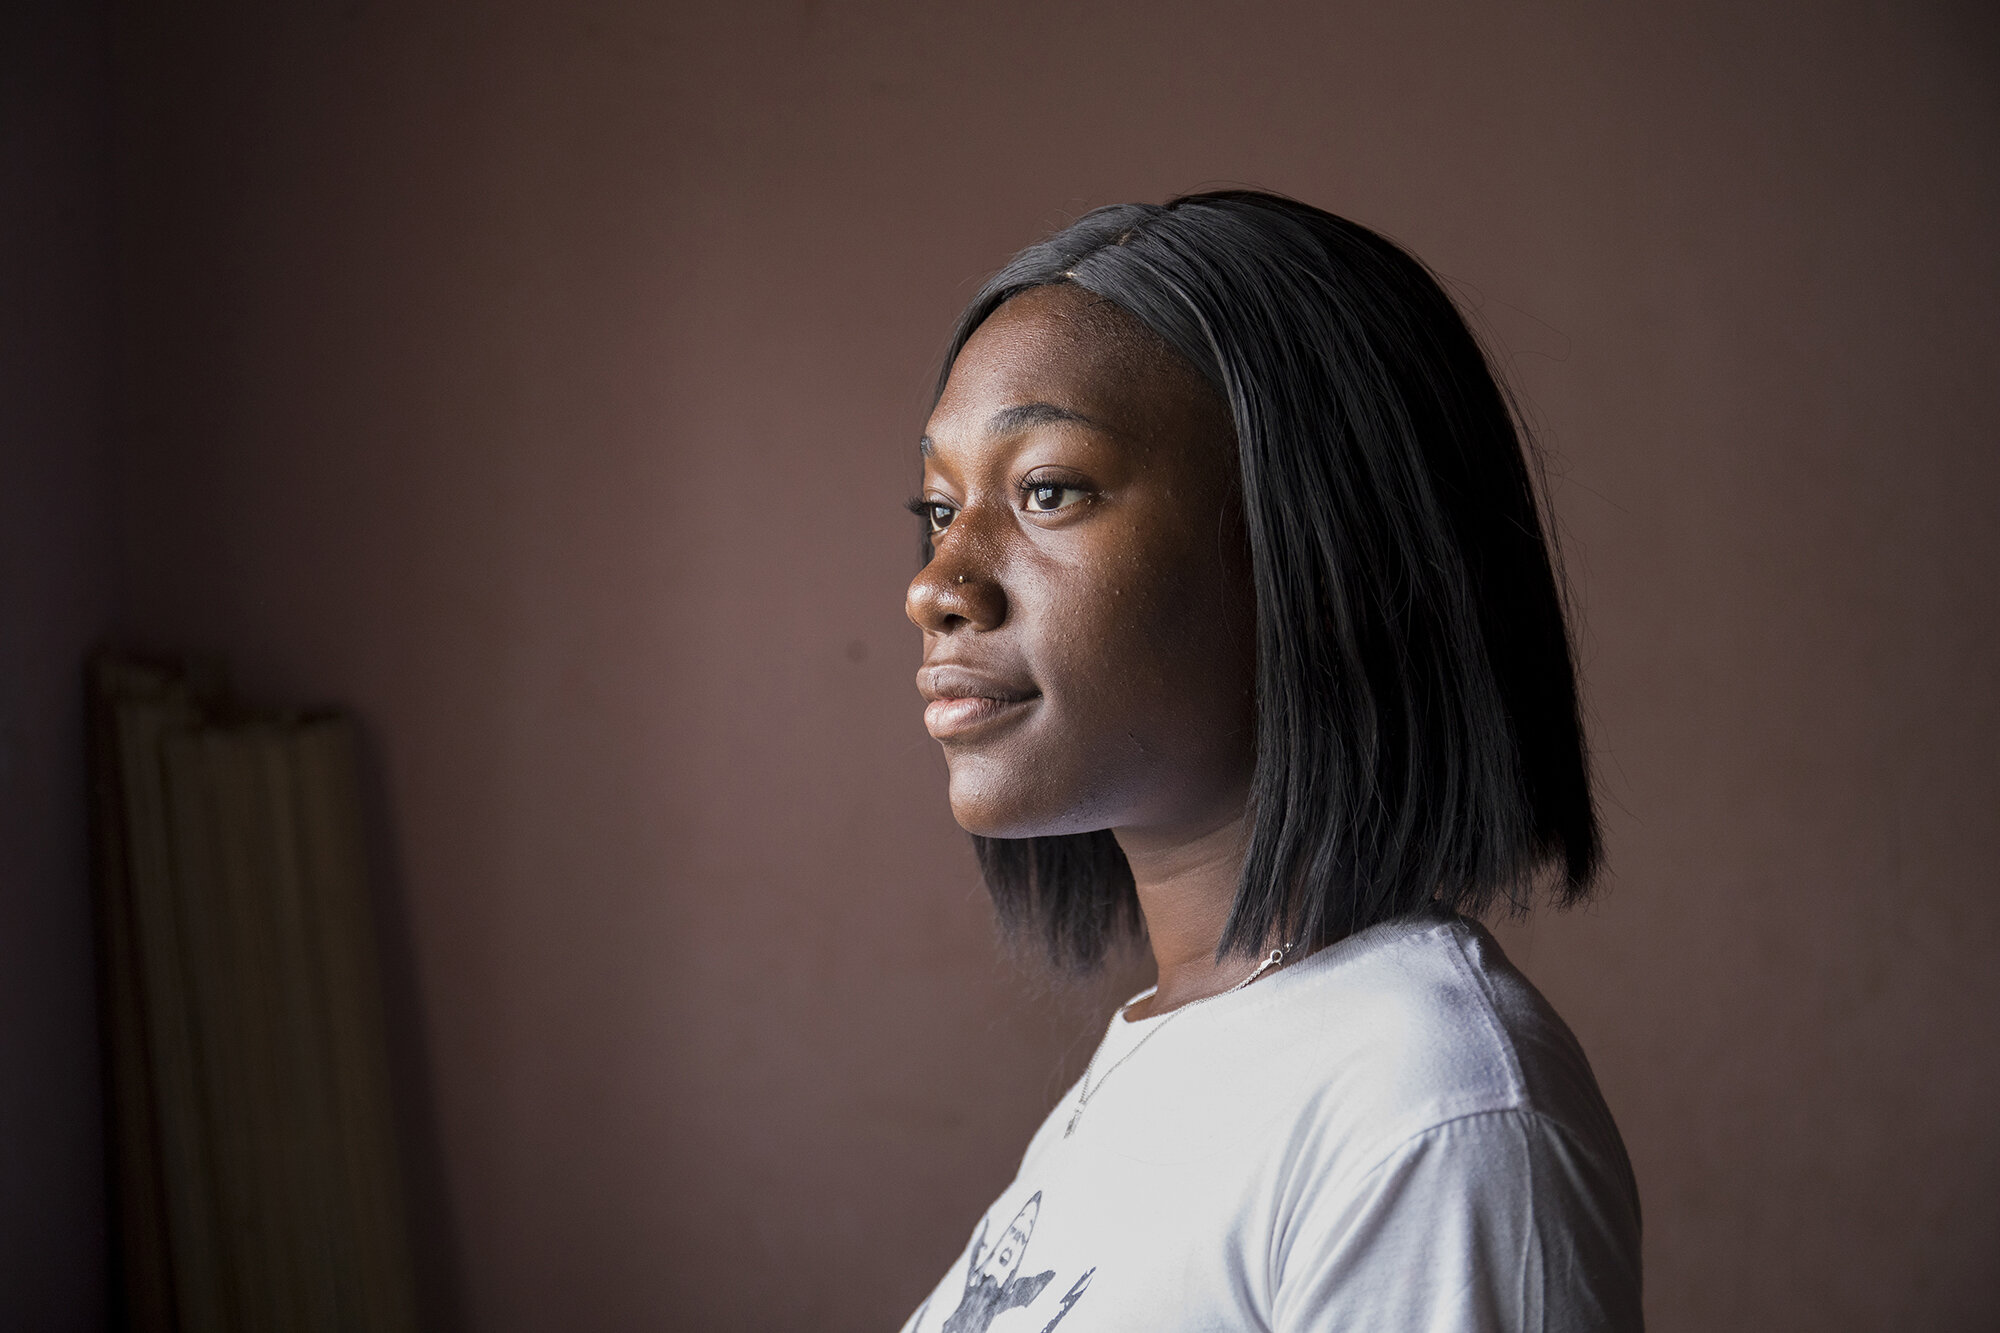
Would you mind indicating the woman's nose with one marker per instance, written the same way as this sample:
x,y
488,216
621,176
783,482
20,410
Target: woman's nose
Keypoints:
x,y
956,590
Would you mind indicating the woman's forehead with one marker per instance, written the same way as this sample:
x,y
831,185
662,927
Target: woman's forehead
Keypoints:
x,y
1071,349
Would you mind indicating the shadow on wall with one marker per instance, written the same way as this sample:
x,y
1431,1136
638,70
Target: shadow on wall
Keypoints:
x,y
440,1289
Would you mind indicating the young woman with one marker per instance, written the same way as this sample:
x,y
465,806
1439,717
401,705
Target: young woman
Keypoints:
x,y
1241,633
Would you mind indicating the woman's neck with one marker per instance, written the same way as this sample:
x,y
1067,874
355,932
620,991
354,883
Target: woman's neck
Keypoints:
x,y
1187,883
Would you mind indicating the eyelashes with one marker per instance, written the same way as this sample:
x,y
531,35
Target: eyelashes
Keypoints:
x,y
1047,497
936,516
1038,496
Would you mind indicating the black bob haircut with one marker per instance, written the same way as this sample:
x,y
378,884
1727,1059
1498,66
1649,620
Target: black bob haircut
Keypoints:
x,y
1419,745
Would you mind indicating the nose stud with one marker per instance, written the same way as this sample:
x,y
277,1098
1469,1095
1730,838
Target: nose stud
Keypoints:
x,y
960,578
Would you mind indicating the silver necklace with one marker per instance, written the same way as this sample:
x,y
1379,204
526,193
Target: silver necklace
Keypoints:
x,y
1085,1091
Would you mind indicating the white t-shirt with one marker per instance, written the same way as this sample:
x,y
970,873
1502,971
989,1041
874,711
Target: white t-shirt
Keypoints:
x,y
1396,1133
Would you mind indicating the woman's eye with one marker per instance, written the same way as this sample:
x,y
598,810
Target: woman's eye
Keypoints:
x,y
940,517
1045,497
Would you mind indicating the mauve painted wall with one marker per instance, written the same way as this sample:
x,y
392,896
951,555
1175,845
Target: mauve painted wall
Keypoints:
x,y
541,379
55,598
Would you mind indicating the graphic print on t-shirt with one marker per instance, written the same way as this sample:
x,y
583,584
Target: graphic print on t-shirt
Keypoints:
x,y
994,1282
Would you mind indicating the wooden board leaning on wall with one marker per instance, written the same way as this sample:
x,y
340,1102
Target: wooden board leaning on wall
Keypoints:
x,y
258,1181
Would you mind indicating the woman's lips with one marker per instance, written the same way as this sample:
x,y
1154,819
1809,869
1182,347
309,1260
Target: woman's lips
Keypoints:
x,y
948,718
962,699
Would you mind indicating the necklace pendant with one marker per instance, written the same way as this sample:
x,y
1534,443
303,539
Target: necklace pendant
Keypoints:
x,y
1074,1116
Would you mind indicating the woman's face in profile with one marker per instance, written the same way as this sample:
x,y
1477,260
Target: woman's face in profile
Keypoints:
x,y
1087,615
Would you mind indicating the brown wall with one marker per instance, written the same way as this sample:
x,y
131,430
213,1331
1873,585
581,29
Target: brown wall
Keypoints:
x,y
541,379
55,589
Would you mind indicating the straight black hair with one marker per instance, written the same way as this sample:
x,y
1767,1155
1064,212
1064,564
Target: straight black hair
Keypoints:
x,y
1419,744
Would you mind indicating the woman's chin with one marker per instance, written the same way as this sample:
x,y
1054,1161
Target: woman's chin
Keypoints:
x,y
985,818
987,813
981,826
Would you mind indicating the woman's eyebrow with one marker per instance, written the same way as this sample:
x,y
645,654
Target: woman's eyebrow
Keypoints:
x,y
1022,415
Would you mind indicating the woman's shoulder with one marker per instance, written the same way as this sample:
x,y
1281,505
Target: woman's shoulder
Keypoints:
x,y
1448,1112
1419,1022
